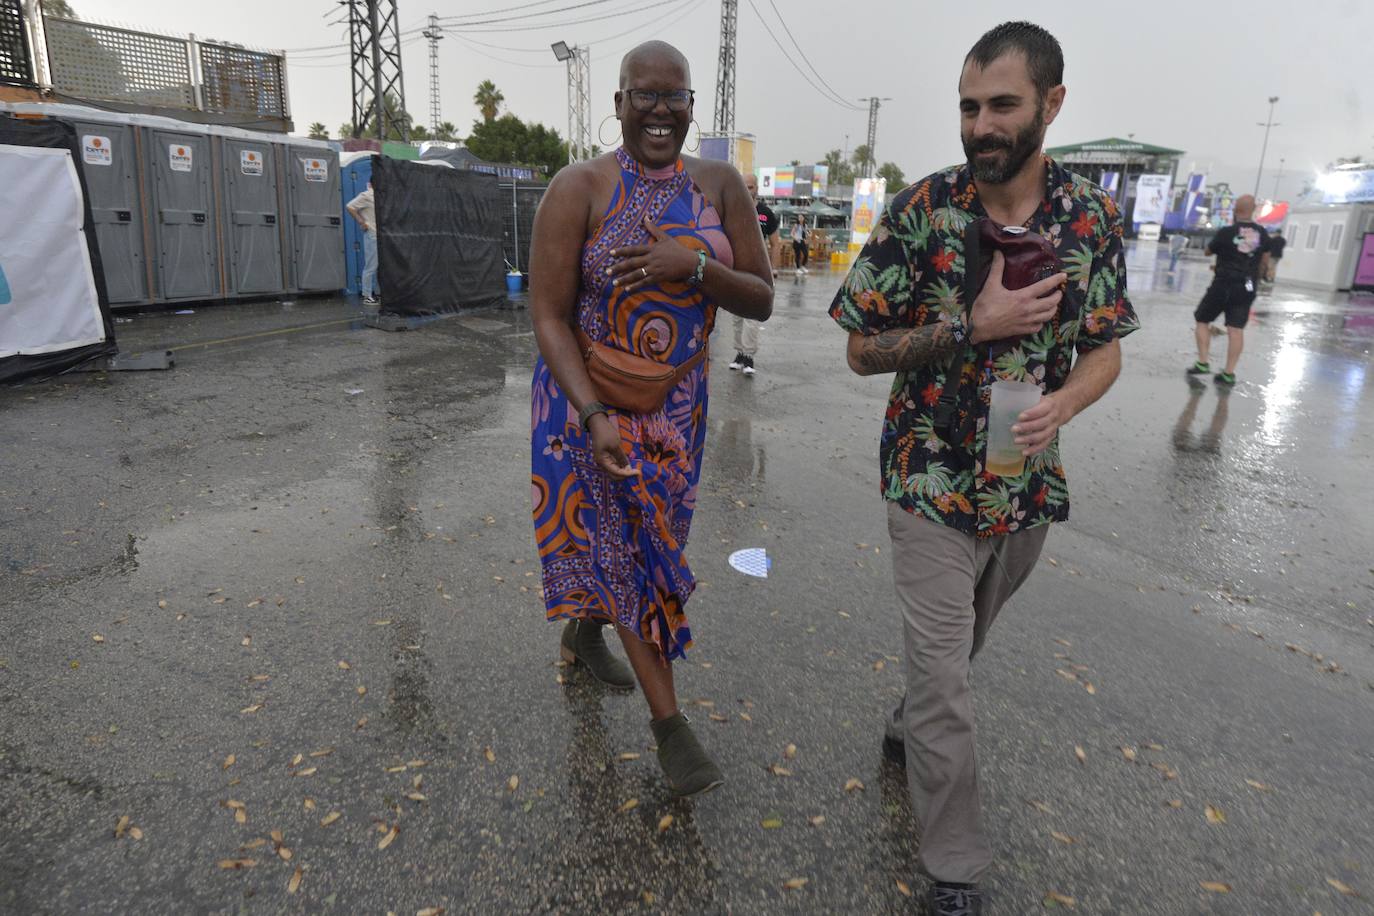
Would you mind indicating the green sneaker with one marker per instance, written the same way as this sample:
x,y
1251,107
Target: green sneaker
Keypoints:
x,y
1199,368
1225,378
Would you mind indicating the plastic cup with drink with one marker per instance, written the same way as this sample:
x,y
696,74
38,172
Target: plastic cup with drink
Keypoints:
x,y
1009,399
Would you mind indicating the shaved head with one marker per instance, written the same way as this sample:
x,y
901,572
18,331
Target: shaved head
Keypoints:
x,y
653,52
1245,206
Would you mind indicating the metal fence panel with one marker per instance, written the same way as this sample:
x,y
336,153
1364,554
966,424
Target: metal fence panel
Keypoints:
x,y
237,80
92,61
16,60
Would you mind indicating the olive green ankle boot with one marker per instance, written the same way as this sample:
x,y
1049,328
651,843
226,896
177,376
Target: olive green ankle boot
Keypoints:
x,y
685,764
584,645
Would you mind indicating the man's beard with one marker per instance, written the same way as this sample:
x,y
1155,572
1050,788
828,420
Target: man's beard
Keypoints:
x,y
1016,152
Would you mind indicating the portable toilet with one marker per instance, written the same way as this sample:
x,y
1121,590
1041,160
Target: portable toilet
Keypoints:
x,y
180,161
250,217
314,228
111,160
355,171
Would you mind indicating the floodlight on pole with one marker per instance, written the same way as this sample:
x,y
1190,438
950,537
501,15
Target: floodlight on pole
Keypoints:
x,y
1267,124
579,61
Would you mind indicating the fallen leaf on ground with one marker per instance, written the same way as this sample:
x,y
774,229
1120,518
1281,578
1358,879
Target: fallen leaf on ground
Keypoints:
x,y
249,710
490,755
381,623
228,762
1175,803
512,784
879,665
276,837
162,603
285,853
344,665
790,751
1216,887
853,785
795,884
294,884
1063,838
330,818
240,816
629,805
322,752
771,823
362,691
1256,784
255,843
121,825
387,840
628,755
296,760
430,911
1215,815
396,769
310,804
717,717
237,863
1342,887
96,637
665,822
361,723
136,833
416,797
818,820
1066,675
778,770
1128,753
904,888
1040,806
247,641
1088,686
1060,899
1080,754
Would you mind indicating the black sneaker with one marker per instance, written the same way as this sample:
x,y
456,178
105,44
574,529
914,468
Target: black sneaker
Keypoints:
x,y
371,300
737,362
748,365
894,751
1225,378
955,899
1199,368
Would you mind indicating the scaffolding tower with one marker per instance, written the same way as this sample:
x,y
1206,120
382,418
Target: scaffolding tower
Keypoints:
x,y
434,33
375,48
725,67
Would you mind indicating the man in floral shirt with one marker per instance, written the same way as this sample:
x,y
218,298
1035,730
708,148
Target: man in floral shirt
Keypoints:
x,y
964,539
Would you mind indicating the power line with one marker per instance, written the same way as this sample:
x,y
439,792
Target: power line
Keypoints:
x,y
799,70
562,9
838,97
559,25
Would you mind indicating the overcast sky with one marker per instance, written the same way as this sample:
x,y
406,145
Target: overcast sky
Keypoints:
x,y
1189,75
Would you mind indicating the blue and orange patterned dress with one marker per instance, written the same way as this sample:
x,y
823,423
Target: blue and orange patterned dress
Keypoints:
x,y
612,550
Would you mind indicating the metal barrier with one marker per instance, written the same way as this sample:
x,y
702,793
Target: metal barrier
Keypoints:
x,y
89,60
522,200
16,59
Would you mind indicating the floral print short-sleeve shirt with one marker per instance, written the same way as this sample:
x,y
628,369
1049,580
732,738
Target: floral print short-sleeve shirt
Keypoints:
x,y
910,273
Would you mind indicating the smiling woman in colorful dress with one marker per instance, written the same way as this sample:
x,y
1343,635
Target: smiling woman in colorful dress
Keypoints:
x,y
632,254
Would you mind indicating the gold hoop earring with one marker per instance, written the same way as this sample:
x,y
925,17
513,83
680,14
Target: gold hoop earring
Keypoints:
x,y
693,149
602,126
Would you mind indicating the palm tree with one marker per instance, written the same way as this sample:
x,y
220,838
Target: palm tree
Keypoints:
x,y
894,175
318,131
446,131
488,99
862,158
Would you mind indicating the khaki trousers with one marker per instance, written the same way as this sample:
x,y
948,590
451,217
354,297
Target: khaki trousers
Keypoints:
x,y
746,335
950,586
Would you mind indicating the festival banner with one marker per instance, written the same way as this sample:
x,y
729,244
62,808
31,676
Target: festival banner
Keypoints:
x,y
767,179
1152,194
782,185
869,194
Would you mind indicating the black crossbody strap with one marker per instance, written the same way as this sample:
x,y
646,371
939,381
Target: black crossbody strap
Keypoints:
x,y
946,408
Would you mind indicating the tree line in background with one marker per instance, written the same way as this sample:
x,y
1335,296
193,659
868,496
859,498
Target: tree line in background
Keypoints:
x,y
495,138
843,171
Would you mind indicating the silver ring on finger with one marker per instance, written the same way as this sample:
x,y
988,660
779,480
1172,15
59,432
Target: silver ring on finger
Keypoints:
x,y
643,273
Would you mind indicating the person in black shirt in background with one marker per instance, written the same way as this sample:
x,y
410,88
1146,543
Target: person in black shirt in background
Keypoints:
x,y
1276,246
746,330
1241,250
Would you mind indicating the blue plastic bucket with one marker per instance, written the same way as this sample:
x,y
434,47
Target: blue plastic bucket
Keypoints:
x,y
514,281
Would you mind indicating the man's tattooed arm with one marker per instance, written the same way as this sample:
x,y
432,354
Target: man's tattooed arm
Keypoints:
x,y
900,349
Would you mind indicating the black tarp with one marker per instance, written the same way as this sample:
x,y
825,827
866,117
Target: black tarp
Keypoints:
x,y
439,237
50,134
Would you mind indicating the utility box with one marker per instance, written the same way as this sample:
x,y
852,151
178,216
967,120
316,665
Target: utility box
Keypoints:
x,y
251,217
315,246
185,232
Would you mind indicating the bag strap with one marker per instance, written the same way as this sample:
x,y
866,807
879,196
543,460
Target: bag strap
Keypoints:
x,y
946,408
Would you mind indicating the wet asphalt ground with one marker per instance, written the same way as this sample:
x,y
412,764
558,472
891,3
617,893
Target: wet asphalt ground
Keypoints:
x,y
282,601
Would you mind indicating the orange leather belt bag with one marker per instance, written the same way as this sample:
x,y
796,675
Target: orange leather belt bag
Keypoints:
x,y
633,383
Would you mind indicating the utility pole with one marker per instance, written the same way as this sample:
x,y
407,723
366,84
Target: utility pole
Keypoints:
x,y
873,105
375,53
1273,99
434,33
725,67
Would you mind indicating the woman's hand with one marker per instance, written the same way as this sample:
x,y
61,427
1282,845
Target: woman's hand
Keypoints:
x,y
610,457
665,260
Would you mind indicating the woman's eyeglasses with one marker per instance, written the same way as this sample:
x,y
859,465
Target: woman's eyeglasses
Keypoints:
x,y
647,99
